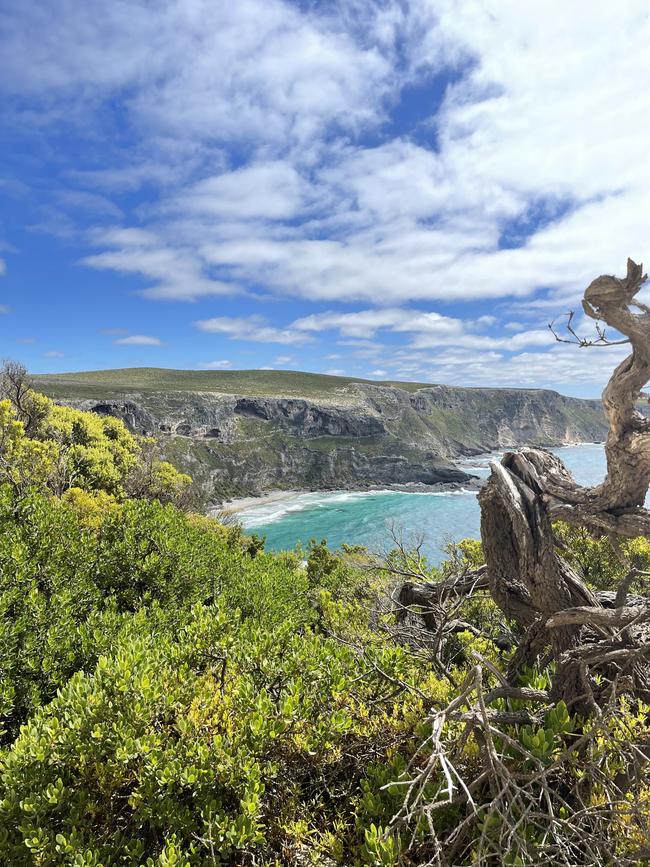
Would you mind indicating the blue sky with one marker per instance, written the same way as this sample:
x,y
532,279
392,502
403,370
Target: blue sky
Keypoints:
x,y
387,189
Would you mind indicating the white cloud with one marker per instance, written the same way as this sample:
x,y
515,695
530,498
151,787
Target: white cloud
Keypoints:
x,y
365,323
262,191
537,337
138,340
54,353
224,364
519,135
4,310
257,68
261,133
583,368
253,328
175,273
429,329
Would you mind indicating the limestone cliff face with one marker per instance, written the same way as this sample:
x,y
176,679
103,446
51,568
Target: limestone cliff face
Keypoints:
x,y
377,435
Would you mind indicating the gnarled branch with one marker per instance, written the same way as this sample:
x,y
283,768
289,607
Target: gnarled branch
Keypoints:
x,y
528,490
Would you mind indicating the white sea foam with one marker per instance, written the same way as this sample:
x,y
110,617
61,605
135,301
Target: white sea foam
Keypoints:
x,y
271,513
274,512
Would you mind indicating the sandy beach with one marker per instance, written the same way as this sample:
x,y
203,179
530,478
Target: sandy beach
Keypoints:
x,y
240,504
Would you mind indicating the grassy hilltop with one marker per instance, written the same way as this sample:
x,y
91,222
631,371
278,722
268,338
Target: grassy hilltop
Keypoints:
x,y
257,383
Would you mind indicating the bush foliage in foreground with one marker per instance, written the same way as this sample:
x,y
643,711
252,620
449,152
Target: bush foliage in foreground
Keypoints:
x,y
171,694
227,736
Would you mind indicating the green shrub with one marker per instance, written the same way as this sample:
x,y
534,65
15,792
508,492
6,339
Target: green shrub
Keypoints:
x,y
596,559
223,735
67,571
55,448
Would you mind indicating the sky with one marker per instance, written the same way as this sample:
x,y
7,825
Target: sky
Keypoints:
x,y
394,190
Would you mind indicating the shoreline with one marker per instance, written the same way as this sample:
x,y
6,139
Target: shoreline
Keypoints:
x,y
236,505
242,504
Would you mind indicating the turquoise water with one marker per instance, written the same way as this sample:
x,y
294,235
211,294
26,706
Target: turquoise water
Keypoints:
x,y
365,518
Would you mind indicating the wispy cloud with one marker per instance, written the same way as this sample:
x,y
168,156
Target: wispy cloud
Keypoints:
x,y
224,364
138,340
253,328
175,274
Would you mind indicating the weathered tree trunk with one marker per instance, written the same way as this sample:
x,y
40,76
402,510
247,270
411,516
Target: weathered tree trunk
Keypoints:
x,y
527,578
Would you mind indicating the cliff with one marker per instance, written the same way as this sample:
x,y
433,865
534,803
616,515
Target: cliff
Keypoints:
x,y
252,431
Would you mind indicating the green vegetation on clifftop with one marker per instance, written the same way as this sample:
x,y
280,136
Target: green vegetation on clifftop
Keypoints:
x,y
260,383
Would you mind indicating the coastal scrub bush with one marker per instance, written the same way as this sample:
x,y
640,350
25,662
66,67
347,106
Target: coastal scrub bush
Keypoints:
x,y
598,562
226,736
68,565
48,447
172,694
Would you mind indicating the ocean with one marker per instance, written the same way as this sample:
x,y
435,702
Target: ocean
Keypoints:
x,y
366,517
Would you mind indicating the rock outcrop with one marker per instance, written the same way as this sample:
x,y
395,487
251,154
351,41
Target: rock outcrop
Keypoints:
x,y
370,435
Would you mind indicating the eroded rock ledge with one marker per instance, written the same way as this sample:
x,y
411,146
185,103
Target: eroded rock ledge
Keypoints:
x,y
376,435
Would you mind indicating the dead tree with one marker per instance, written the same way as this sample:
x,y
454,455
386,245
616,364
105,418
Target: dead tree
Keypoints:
x,y
555,612
17,386
527,491
568,808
